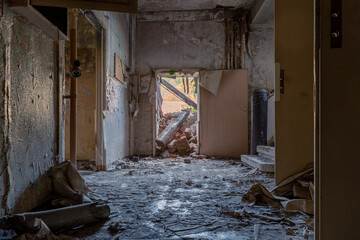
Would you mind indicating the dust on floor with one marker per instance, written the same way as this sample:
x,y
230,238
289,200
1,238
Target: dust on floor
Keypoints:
x,y
171,199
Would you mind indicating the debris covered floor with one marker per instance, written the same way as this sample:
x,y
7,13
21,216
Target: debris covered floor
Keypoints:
x,y
171,199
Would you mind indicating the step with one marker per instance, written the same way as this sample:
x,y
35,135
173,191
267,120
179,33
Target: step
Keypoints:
x,y
264,155
263,164
266,150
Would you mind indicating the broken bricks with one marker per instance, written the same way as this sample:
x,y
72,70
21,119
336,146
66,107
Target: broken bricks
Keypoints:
x,y
182,146
179,136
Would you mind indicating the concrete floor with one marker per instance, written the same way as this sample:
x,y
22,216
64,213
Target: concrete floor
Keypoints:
x,y
153,199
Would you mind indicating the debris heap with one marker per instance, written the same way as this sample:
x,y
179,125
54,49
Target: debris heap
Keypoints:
x,y
177,135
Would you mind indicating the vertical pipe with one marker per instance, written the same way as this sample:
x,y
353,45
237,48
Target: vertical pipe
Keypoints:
x,y
73,85
259,108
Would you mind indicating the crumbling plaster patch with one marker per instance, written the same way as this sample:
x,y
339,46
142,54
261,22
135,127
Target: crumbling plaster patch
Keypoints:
x,y
261,63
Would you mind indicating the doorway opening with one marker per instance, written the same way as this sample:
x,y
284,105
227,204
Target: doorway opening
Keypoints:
x,y
177,113
89,94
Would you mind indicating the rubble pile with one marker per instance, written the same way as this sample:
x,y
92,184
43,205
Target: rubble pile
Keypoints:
x,y
177,135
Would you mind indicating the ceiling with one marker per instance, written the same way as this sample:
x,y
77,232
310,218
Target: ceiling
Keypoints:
x,y
176,5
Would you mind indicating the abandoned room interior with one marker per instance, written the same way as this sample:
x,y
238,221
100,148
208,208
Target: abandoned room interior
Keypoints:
x,y
170,119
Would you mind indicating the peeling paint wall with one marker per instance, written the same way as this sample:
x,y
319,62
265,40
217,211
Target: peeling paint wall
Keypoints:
x,y
119,29
29,113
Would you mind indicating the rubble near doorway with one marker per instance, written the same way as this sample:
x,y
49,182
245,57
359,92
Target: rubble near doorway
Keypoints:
x,y
177,114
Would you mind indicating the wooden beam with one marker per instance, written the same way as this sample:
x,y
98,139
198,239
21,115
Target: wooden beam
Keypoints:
x,y
171,129
129,6
178,93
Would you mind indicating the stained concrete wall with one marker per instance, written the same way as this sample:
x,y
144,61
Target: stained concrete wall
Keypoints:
x,y
31,81
119,29
29,93
189,40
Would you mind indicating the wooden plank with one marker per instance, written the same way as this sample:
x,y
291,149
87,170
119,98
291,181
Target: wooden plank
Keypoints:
x,y
224,118
118,69
130,6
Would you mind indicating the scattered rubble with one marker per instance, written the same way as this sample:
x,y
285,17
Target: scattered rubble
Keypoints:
x,y
178,136
163,200
86,165
187,160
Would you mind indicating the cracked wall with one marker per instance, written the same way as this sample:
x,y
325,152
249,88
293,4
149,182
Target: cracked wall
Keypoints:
x,y
29,113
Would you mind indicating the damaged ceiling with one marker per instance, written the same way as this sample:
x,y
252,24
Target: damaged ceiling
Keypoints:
x,y
176,5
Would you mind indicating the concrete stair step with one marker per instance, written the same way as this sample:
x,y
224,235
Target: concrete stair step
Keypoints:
x,y
266,150
264,155
263,164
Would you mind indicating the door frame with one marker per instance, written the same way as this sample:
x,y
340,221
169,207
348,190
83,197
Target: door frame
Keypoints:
x,y
100,151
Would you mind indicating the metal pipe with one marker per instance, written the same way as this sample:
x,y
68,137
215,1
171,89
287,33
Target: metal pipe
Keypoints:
x,y
73,85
